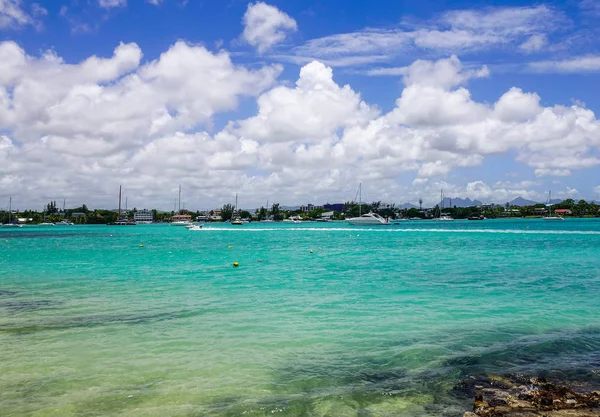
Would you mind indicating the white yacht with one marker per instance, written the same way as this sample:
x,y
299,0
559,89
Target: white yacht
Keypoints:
x,y
46,223
368,219
551,216
65,223
10,223
194,227
443,218
293,219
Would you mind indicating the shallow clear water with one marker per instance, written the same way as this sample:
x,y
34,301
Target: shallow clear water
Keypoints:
x,y
374,322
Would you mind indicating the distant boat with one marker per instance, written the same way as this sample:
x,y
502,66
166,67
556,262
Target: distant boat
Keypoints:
x,y
10,223
237,219
551,216
120,221
368,219
65,223
46,223
476,218
293,219
181,219
195,227
443,217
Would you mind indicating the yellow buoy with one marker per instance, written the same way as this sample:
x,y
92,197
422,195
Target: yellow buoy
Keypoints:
x,y
229,247
141,246
236,264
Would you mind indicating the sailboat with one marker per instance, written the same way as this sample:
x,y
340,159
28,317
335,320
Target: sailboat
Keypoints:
x,y
236,220
10,223
551,216
181,219
367,219
64,221
442,217
120,221
268,219
46,223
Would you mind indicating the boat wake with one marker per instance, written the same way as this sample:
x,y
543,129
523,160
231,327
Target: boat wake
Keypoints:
x,y
387,230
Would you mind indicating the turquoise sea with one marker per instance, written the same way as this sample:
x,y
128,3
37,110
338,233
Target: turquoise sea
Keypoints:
x,y
318,319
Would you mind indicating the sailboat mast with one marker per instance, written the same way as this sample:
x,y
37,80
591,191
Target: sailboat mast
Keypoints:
x,y
119,202
179,198
359,199
119,218
235,208
9,209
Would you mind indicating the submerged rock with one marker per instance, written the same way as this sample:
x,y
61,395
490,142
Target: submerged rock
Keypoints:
x,y
519,396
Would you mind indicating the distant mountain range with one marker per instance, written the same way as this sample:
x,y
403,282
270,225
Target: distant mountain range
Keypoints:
x,y
459,202
407,206
522,202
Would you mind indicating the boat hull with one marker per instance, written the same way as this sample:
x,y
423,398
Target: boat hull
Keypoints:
x,y
181,224
366,222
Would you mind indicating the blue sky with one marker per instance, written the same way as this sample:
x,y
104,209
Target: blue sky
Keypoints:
x,y
298,101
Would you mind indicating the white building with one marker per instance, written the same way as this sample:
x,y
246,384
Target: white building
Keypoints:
x,y
143,216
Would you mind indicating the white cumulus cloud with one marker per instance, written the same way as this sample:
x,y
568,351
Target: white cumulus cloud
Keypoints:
x,y
266,25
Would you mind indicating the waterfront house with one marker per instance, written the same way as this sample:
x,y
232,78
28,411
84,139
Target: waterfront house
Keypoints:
x,y
143,216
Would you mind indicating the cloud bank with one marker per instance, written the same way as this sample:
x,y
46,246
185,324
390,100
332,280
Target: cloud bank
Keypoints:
x,y
78,130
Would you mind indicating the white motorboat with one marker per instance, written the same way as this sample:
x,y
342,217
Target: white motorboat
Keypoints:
x,y
46,224
443,218
293,219
64,223
181,220
195,227
368,219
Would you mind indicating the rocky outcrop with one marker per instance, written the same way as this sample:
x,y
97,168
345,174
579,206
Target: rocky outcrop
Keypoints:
x,y
519,396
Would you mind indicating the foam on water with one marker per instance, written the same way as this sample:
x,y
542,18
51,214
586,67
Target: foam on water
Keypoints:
x,y
387,229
